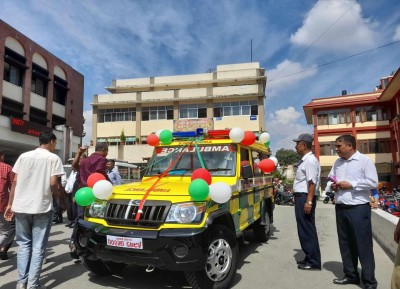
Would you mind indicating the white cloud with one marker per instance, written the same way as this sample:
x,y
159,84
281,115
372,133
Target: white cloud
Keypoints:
x,y
340,25
87,127
287,74
396,36
284,125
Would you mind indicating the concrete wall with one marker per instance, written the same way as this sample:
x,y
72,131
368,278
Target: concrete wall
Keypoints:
x,y
383,225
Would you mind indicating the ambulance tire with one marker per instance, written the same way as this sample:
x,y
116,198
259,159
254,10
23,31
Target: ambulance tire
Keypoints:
x,y
220,270
261,232
101,268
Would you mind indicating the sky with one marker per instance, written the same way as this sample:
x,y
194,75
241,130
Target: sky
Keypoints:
x,y
310,49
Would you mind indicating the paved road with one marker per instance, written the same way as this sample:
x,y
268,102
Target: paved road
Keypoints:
x,y
268,265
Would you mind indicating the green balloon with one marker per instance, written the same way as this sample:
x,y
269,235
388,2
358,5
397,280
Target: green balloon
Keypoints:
x,y
267,143
199,189
166,136
84,196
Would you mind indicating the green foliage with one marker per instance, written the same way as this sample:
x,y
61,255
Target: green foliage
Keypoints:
x,y
122,137
287,157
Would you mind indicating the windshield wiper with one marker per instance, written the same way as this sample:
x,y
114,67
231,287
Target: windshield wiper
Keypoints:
x,y
219,170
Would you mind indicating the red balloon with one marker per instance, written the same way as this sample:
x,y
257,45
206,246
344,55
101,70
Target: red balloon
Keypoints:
x,y
267,165
249,138
202,174
153,140
94,178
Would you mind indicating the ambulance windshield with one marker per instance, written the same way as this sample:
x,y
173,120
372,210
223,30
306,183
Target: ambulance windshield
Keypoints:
x,y
219,160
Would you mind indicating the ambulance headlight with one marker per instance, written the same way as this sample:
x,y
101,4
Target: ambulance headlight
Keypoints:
x,y
186,213
97,209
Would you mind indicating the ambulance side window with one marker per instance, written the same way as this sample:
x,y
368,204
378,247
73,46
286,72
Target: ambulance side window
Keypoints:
x,y
246,171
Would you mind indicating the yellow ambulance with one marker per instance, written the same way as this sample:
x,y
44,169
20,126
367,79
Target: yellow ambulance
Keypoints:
x,y
156,223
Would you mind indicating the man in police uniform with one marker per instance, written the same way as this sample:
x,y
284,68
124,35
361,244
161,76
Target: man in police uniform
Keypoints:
x,y
305,185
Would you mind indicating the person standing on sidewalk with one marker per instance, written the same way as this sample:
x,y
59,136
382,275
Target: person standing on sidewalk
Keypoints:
x,y
355,176
31,200
305,185
113,173
7,228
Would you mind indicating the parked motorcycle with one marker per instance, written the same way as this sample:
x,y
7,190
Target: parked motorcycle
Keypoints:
x,y
329,196
284,198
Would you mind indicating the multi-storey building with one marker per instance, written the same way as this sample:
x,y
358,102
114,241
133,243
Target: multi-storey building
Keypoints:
x,y
38,91
372,118
230,96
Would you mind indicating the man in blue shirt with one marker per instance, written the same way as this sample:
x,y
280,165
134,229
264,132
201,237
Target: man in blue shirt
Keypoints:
x,y
113,173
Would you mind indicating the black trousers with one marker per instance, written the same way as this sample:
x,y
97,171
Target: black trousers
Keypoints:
x,y
355,241
306,230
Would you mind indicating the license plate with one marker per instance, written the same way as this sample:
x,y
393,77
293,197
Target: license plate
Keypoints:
x,y
125,242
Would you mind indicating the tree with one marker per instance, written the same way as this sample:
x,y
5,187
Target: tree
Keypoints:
x,y
287,157
122,137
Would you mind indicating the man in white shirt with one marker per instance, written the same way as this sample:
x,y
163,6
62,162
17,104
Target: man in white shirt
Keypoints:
x,y
305,185
31,201
354,176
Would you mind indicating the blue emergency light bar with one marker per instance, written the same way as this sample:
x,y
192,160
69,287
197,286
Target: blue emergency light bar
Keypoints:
x,y
188,134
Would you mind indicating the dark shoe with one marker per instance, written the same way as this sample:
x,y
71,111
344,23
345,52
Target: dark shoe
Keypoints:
x,y
308,267
345,281
3,256
57,221
72,249
302,262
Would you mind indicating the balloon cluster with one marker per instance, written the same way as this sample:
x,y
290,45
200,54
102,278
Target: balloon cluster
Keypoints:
x,y
98,188
200,188
163,136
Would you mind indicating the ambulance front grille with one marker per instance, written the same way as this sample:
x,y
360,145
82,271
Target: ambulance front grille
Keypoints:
x,y
123,213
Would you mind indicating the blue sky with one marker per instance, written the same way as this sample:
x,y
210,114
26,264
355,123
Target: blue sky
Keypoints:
x,y
293,40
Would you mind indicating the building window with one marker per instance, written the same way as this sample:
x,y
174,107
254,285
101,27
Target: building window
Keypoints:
x,y
38,116
157,112
60,90
332,117
372,113
193,111
12,108
235,108
14,67
327,148
40,79
116,114
374,146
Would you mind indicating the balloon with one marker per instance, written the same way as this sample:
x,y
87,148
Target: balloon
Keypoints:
x,y
275,160
257,161
153,140
220,192
202,174
158,132
94,178
84,196
166,136
267,165
198,190
249,138
236,134
264,137
267,143
102,189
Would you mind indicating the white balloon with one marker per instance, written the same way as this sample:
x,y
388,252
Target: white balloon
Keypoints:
x,y
274,159
220,192
257,161
264,137
102,189
236,134
158,132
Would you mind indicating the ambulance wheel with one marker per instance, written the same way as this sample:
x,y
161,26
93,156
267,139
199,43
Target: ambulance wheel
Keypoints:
x,y
262,230
101,268
221,266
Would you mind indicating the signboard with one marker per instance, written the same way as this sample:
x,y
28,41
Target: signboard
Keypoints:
x,y
26,127
193,123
